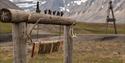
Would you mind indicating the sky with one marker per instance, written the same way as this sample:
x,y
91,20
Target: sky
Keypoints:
x,y
32,0
26,0
29,0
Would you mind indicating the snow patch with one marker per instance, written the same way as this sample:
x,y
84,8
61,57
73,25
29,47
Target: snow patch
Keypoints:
x,y
83,1
93,3
102,6
67,10
76,2
43,2
64,9
68,4
11,0
79,2
25,5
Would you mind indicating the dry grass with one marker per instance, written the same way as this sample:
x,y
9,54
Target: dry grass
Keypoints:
x,y
83,52
5,28
79,28
97,28
6,51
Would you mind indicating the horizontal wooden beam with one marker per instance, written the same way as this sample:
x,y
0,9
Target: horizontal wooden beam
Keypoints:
x,y
17,16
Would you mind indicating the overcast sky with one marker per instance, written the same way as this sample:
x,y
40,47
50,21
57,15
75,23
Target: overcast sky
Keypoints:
x,y
26,0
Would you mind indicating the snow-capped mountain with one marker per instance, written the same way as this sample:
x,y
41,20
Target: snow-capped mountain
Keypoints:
x,y
87,10
96,11
61,5
83,10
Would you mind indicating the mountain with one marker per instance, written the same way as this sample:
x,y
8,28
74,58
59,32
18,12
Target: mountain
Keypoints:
x,y
96,11
59,5
87,10
54,4
7,4
84,10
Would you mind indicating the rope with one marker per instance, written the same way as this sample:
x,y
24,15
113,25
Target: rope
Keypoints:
x,y
29,34
72,31
37,31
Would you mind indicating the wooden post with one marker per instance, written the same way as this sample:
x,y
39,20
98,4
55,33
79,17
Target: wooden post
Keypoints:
x,y
33,49
19,42
68,45
111,19
17,16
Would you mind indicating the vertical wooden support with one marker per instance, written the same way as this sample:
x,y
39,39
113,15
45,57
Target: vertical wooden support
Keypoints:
x,y
111,19
19,42
115,28
68,45
33,49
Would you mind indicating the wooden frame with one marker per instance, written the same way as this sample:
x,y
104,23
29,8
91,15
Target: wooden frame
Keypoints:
x,y
17,17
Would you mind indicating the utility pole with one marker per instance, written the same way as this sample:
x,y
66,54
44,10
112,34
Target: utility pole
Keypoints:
x,y
37,7
111,19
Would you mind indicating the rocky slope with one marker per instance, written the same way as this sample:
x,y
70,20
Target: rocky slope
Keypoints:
x,y
85,10
96,11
